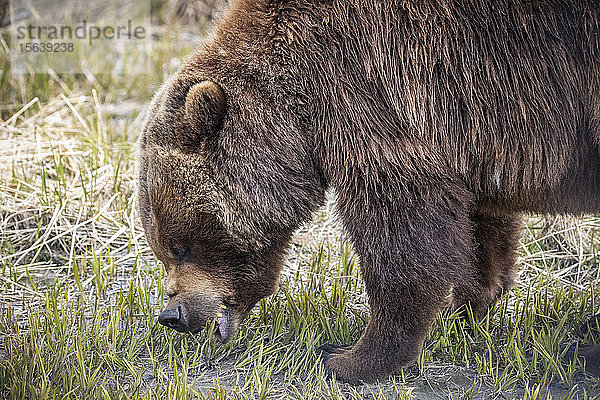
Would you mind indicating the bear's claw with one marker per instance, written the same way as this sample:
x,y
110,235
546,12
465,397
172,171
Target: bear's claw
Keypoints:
x,y
339,363
589,353
326,351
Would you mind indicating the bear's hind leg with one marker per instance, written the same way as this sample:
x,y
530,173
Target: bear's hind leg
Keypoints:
x,y
496,239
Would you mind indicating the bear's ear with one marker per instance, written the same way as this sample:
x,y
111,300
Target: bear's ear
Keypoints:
x,y
205,107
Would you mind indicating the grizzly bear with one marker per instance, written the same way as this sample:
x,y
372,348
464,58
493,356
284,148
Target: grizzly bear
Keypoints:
x,y
437,123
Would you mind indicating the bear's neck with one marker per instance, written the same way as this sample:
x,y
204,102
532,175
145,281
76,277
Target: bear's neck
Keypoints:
x,y
292,49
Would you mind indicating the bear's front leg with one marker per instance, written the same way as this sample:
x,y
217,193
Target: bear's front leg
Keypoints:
x,y
393,338
411,255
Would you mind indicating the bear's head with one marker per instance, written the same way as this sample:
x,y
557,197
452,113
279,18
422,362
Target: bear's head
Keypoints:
x,y
225,178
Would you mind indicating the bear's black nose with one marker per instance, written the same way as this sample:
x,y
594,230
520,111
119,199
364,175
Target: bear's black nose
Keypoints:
x,y
174,318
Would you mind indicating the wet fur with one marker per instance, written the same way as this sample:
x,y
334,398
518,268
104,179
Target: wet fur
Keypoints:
x,y
436,122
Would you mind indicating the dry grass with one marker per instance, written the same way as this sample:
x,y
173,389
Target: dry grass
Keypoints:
x,y
60,198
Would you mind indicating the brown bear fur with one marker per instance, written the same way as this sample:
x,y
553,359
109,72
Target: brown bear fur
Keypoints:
x,y
436,122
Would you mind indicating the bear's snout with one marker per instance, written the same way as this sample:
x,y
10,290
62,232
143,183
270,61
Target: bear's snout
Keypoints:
x,y
193,311
175,318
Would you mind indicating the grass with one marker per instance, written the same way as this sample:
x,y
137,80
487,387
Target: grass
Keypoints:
x,y
80,290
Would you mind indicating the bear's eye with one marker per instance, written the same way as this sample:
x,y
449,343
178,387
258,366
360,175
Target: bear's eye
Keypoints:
x,y
183,254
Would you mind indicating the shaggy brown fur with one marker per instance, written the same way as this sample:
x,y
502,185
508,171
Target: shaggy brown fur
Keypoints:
x,y
436,122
